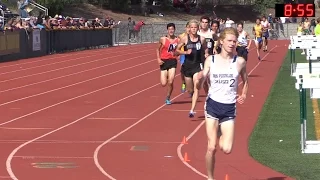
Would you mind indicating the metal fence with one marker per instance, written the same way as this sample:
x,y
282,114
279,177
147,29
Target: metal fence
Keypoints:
x,y
151,33
21,44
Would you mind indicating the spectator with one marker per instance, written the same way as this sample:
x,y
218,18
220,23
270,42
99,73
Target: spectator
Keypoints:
x,y
22,4
39,23
270,20
97,23
112,22
312,25
107,22
131,25
138,26
317,28
229,23
82,23
9,25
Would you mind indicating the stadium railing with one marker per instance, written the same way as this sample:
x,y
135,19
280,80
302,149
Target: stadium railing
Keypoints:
x,y
21,44
151,32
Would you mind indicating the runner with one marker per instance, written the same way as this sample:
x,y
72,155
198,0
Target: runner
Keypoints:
x,y
167,59
206,33
257,32
243,46
215,27
220,108
192,66
182,57
265,33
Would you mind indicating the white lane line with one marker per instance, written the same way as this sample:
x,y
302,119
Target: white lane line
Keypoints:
x,y
12,154
74,84
87,70
67,67
62,102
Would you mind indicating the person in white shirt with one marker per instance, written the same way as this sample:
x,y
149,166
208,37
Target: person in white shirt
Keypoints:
x,y
229,22
265,33
208,35
223,71
243,45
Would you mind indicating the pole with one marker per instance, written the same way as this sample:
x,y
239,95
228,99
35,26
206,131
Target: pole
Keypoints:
x,y
310,65
302,141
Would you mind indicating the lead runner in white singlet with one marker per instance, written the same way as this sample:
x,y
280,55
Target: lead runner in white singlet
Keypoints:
x,y
223,70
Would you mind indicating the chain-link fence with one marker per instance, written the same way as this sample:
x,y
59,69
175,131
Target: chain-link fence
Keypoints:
x,y
151,32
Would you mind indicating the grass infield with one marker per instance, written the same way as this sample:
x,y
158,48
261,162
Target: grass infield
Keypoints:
x,y
275,141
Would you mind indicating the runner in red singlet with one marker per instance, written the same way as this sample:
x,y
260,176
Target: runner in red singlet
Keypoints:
x,y
167,59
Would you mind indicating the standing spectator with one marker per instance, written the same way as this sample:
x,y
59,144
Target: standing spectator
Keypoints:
x,y
312,25
270,20
39,21
222,25
317,28
106,22
8,25
22,8
131,25
229,22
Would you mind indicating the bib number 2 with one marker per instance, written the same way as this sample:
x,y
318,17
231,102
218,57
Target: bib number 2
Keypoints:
x,y
232,82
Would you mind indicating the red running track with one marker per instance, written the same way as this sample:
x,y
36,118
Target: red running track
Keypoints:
x,y
99,114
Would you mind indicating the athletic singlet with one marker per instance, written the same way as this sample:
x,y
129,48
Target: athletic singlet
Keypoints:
x,y
168,49
258,30
195,56
208,38
242,39
264,24
223,82
299,30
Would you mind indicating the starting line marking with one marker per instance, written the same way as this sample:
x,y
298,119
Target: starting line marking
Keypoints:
x,y
180,110
5,177
86,142
13,128
111,118
52,157
51,165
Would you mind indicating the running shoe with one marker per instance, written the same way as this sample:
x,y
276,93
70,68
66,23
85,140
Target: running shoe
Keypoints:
x,y
191,114
183,88
168,102
259,58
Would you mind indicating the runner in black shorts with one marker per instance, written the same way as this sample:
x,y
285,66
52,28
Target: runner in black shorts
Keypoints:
x,y
193,45
168,60
243,45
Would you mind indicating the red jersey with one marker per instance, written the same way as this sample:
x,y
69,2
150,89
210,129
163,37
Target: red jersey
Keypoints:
x,y
168,49
138,25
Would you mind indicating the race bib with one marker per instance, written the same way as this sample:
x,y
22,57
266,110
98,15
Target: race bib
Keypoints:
x,y
198,46
209,44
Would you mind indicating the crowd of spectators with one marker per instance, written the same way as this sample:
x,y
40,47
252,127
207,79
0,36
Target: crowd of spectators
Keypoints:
x,y
24,20
57,22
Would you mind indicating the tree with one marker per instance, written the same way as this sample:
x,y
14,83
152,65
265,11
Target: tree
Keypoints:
x,y
143,7
262,5
119,5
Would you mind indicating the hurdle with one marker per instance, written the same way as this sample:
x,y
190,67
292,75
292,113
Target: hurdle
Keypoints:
x,y
304,82
307,77
311,44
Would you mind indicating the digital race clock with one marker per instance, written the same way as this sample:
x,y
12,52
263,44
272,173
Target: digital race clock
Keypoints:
x,y
295,10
